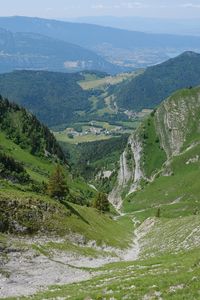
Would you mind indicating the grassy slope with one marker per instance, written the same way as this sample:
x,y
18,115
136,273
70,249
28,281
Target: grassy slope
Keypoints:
x,y
153,155
103,105
177,192
38,168
64,219
176,195
170,277
178,234
83,220
93,82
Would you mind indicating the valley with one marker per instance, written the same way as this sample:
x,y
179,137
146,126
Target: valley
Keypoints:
x,y
78,247
117,122
99,163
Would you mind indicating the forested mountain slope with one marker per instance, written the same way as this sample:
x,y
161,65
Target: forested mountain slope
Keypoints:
x,y
158,82
25,130
53,97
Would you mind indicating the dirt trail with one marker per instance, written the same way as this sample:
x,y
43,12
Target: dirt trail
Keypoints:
x,y
27,271
134,251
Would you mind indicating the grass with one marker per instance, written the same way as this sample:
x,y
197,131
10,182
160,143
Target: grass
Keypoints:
x,y
129,124
93,83
38,168
49,248
56,218
176,195
168,268
35,211
153,155
62,137
168,277
180,234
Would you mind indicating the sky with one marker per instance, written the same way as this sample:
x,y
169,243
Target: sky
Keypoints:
x,y
79,8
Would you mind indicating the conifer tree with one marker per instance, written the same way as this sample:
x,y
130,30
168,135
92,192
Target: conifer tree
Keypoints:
x,y
158,213
101,202
57,186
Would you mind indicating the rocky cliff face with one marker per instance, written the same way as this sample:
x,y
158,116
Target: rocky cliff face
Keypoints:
x,y
168,132
177,119
125,174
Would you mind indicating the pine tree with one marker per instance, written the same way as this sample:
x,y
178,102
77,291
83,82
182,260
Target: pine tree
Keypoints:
x,y
57,186
158,213
101,202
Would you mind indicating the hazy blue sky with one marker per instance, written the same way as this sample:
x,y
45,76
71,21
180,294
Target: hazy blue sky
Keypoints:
x,y
76,8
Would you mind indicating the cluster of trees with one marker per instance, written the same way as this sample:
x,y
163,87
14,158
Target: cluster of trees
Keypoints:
x,y
12,170
92,157
57,188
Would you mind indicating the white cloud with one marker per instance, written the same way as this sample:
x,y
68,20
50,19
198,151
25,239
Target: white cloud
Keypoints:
x,y
130,5
98,6
191,5
123,5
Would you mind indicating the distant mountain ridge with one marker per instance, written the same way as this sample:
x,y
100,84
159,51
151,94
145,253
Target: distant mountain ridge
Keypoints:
x,y
89,35
158,82
26,50
145,24
123,48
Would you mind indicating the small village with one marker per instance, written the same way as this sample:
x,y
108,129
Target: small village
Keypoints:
x,y
92,129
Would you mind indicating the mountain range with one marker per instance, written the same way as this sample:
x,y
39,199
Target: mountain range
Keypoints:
x,y
91,36
124,48
58,98
33,51
117,218
145,24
